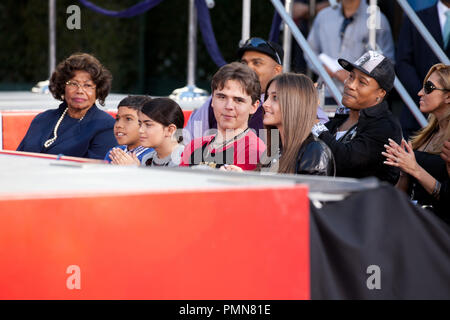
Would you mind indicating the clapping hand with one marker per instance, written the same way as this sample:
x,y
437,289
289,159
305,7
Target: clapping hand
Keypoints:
x,y
118,156
401,156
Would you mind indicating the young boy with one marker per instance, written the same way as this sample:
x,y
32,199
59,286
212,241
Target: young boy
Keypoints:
x,y
126,130
235,97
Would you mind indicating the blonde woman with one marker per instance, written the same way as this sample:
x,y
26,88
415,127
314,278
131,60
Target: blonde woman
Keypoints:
x,y
422,169
290,112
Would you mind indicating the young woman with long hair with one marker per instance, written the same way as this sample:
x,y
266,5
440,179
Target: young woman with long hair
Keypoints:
x,y
290,111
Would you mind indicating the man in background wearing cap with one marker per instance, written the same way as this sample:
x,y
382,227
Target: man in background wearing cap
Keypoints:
x,y
358,138
266,59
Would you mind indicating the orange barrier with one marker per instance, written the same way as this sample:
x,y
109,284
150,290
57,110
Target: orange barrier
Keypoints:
x,y
173,245
15,125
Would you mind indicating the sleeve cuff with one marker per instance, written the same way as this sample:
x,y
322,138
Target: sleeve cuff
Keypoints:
x,y
318,129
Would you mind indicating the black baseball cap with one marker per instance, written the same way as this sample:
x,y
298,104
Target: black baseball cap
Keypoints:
x,y
270,48
376,66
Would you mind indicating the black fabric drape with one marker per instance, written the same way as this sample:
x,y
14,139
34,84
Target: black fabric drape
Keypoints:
x,y
378,227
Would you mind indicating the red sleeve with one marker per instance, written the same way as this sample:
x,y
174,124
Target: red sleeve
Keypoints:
x,y
190,148
248,151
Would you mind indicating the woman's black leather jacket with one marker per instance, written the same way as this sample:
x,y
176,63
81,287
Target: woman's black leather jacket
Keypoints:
x,y
315,158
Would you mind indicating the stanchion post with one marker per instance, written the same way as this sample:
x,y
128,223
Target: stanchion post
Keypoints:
x,y
190,95
287,38
52,36
192,44
373,25
246,18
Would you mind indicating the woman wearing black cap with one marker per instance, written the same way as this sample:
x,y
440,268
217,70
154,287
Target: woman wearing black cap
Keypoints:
x,y
358,138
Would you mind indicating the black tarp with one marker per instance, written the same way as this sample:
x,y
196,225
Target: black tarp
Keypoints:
x,y
410,245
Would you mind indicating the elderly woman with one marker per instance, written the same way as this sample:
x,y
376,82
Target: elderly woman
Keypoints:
x,y
422,169
78,127
357,139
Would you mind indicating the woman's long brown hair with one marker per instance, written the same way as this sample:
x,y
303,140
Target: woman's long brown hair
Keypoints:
x,y
298,100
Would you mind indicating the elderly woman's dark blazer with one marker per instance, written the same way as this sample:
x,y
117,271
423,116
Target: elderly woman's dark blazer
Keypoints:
x,y
91,137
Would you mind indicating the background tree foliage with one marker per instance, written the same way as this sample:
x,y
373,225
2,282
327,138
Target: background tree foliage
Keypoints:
x,y
146,54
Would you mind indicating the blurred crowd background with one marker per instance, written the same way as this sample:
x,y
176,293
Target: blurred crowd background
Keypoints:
x,y
146,54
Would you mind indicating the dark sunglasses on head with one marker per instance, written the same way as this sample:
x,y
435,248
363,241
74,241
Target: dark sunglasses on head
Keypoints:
x,y
257,42
429,87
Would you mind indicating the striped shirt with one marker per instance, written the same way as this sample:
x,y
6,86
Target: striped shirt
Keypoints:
x,y
139,151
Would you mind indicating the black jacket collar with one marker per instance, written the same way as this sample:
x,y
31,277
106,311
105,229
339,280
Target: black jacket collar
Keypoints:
x,y
375,111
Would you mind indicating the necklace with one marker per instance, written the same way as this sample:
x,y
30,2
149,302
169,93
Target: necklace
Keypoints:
x,y
50,141
223,144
